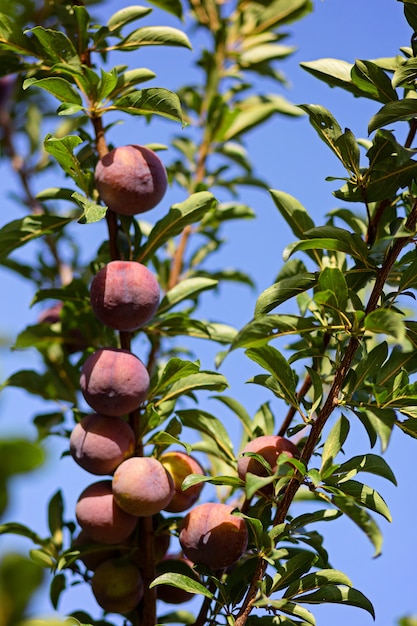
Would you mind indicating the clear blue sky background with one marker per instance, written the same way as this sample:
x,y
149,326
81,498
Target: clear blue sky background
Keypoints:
x,y
291,157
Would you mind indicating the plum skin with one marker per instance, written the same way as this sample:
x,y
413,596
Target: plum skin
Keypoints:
x,y
114,381
142,486
179,465
124,295
117,585
212,536
100,517
269,447
99,443
131,179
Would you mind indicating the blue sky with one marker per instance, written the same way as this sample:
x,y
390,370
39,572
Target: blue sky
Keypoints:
x,y
292,158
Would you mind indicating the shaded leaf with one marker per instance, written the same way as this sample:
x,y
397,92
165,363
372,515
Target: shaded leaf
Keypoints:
x,y
185,289
370,463
293,212
399,111
19,232
334,443
204,422
273,361
387,322
62,149
58,87
371,79
316,580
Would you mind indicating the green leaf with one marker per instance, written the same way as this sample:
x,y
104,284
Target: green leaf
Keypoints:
x,y
290,608
58,585
154,36
48,385
291,570
125,16
264,328
334,72
293,212
272,360
173,371
370,463
339,239
19,232
196,479
179,216
206,423
57,47
360,517
316,580
184,290
154,100
324,515
326,126
58,87
92,212
371,79
12,38
239,410
188,384
334,443
333,280
62,149
399,111
20,578
378,422
182,582
387,322
338,595
14,528
284,290
365,496
369,365
55,517
172,6
406,73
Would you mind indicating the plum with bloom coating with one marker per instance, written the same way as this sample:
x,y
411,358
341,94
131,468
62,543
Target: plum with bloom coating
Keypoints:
x,y
99,443
124,295
114,381
212,536
131,179
99,515
268,447
142,486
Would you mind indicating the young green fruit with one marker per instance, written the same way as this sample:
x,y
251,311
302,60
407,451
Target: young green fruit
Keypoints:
x,y
117,585
131,179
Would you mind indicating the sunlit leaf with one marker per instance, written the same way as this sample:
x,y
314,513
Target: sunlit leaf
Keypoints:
x,y
154,100
182,582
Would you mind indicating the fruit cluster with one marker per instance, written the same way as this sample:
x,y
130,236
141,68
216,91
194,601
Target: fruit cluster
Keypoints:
x,y
124,296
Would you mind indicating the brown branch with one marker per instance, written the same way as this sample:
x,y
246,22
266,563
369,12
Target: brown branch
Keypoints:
x,y
327,410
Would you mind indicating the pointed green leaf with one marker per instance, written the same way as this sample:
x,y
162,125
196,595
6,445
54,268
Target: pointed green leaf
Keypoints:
x,y
57,47
182,582
126,15
154,100
12,38
317,580
387,322
334,72
370,463
293,212
399,111
370,365
58,87
189,384
334,442
206,423
62,149
173,371
15,528
324,515
154,36
370,78
172,6
332,279
291,570
180,215
361,517
365,496
284,290
264,328
184,290
338,595
19,232
196,479
273,361
290,608
325,124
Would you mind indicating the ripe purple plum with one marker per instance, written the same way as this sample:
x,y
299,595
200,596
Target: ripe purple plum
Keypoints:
x,y
178,564
124,295
99,443
212,536
131,179
100,517
268,447
179,465
142,486
114,381
117,585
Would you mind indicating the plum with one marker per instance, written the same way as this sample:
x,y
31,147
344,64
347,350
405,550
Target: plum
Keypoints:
x,y
99,443
179,465
212,536
131,179
142,486
100,517
117,585
94,553
268,447
114,381
124,295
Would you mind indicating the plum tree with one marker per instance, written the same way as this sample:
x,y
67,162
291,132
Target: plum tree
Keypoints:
x,y
99,515
269,447
99,443
142,486
114,381
124,295
131,179
179,465
117,585
212,536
